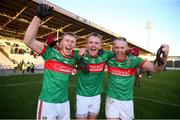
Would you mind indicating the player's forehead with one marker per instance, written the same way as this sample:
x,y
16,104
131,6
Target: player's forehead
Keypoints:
x,y
69,37
94,37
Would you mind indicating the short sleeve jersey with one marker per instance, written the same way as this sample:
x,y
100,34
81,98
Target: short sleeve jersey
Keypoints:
x,y
57,71
91,84
122,76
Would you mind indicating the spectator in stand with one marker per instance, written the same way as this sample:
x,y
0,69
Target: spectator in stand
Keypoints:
x,y
32,67
23,67
14,66
28,66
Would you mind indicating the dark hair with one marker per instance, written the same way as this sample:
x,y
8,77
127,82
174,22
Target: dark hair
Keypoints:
x,y
96,35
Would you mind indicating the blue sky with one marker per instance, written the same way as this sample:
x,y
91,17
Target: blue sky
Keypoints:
x,y
128,18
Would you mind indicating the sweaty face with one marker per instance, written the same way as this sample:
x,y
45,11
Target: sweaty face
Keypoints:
x,y
120,49
67,44
93,45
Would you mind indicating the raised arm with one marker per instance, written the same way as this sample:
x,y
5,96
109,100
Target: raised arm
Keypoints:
x,y
43,11
30,35
155,67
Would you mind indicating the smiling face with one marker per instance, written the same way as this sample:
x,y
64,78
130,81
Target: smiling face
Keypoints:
x,y
93,45
67,44
120,49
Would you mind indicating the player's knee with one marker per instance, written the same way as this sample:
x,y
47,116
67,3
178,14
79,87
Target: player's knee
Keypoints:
x,y
92,115
81,116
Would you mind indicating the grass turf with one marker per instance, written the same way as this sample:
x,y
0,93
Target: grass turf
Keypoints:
x,y
157,97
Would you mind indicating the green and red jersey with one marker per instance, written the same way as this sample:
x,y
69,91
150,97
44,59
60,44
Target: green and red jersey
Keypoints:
x,y
91,84
122,76
57,71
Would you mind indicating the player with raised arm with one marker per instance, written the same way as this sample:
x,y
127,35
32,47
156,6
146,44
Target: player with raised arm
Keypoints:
x,y
121,68
53,101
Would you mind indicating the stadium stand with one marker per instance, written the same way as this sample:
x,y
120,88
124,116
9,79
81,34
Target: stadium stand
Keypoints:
x,y
169,64
5,62
17,14
12,52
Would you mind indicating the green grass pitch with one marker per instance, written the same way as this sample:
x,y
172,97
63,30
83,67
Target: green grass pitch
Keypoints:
x,y
158,97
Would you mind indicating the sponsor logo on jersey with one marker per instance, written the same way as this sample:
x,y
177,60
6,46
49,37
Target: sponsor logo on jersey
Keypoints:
x,y
121,71
96,67
58,67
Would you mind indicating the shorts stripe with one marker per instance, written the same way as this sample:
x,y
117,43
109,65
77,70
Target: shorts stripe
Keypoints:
x,y
40,110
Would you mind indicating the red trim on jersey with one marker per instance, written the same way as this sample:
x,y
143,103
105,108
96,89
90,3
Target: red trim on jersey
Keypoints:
x,y
121,71
58,67
96,67
40,110
120,60
43,50
59,49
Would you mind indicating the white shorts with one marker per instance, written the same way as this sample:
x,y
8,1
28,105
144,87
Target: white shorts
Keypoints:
x,y
87,105
50,111
119,109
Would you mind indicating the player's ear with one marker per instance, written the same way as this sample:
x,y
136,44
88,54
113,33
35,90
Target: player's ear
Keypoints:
x,y
113,49
100,44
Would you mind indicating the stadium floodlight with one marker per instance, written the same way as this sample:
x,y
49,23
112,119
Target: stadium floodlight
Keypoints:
x,y
148,27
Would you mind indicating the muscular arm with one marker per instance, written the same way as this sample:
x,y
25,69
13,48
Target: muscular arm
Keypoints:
x,y
155,68
149,66
30,35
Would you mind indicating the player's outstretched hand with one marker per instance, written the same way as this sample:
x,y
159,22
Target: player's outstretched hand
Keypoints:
x,y
163,50
134,51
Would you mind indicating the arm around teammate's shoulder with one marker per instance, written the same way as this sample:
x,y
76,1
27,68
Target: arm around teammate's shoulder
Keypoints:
x,y
109,53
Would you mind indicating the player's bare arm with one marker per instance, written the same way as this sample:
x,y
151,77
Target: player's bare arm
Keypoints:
x,y
30,35
43,11
161,61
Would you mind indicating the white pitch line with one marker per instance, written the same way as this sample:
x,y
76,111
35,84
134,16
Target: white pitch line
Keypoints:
x,y
157,101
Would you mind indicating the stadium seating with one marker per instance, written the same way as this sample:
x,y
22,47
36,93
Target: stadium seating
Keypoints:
x,y
5,62
8,55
